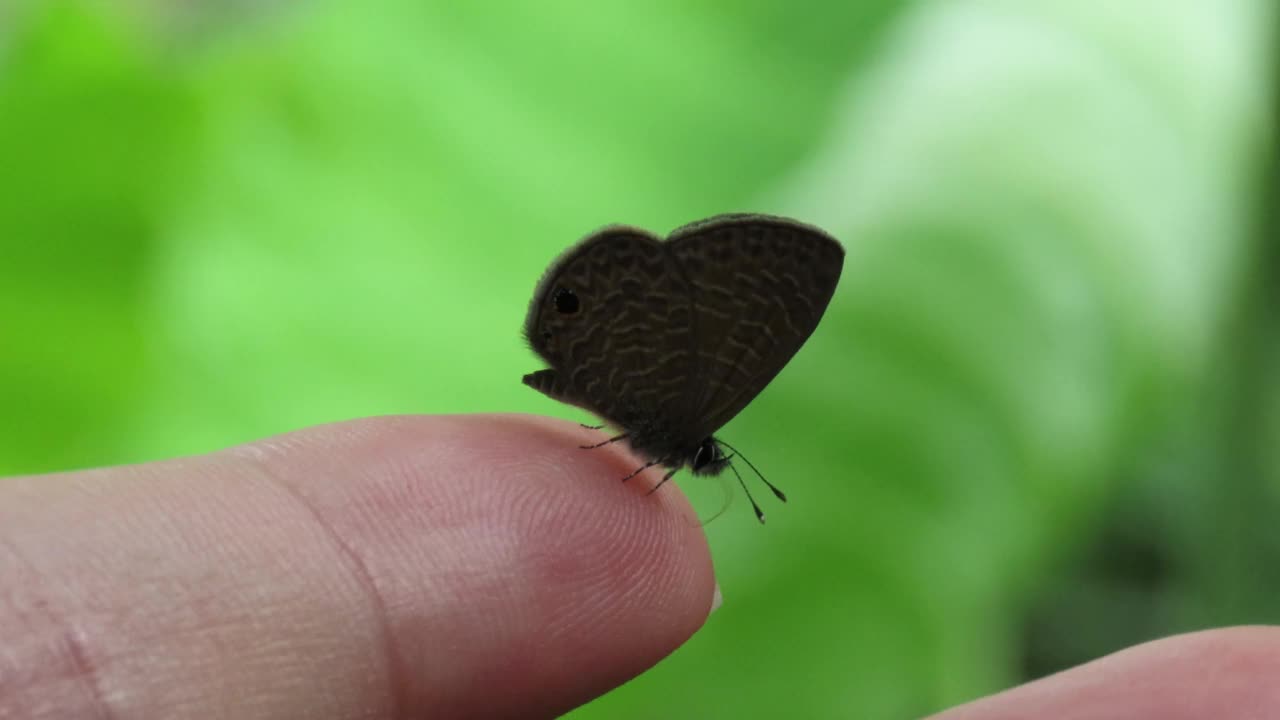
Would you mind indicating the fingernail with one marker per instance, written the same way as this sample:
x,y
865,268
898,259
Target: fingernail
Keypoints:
x,y
716,600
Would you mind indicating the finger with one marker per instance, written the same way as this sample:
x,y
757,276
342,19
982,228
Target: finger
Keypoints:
x,y
396,567
1228,673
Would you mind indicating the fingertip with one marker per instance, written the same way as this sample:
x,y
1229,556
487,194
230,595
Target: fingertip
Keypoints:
x,y
554,579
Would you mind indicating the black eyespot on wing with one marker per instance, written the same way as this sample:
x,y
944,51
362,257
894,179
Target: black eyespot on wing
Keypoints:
x,y
566,301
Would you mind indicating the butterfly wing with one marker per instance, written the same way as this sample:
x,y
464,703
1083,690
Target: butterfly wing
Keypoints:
x,y
759,286
621,346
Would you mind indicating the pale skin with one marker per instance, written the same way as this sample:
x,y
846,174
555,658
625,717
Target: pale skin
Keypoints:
x,y
467,566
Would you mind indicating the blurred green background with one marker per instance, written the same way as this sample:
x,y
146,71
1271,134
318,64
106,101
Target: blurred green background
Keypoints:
x,y
1036,425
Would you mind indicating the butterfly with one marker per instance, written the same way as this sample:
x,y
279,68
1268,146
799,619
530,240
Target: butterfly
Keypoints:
x,y
669,339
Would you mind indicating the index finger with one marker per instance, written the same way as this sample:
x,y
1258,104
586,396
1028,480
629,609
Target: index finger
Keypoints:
x,y
406,566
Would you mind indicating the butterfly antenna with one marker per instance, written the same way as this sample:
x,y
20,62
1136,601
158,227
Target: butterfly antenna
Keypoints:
x,y
780,495
754,505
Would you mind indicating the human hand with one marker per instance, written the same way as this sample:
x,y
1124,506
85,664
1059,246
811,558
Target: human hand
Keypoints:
x,y
470,566
379,569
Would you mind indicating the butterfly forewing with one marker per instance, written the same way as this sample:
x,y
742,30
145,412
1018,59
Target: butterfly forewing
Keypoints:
x,y
760,285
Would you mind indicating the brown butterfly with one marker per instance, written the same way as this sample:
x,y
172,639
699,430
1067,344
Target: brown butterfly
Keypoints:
x,y
668,340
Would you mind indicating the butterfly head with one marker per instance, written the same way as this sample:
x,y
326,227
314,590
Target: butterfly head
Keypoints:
x,y
709,459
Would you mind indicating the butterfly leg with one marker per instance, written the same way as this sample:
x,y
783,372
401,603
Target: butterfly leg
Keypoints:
x,y
602,444
592,427
661,482
640,470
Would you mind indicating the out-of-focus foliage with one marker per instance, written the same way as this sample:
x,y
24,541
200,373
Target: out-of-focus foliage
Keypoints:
x,y
1033,427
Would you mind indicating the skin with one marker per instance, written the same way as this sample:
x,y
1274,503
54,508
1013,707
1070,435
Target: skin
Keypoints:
x,y
1228,673
378,569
